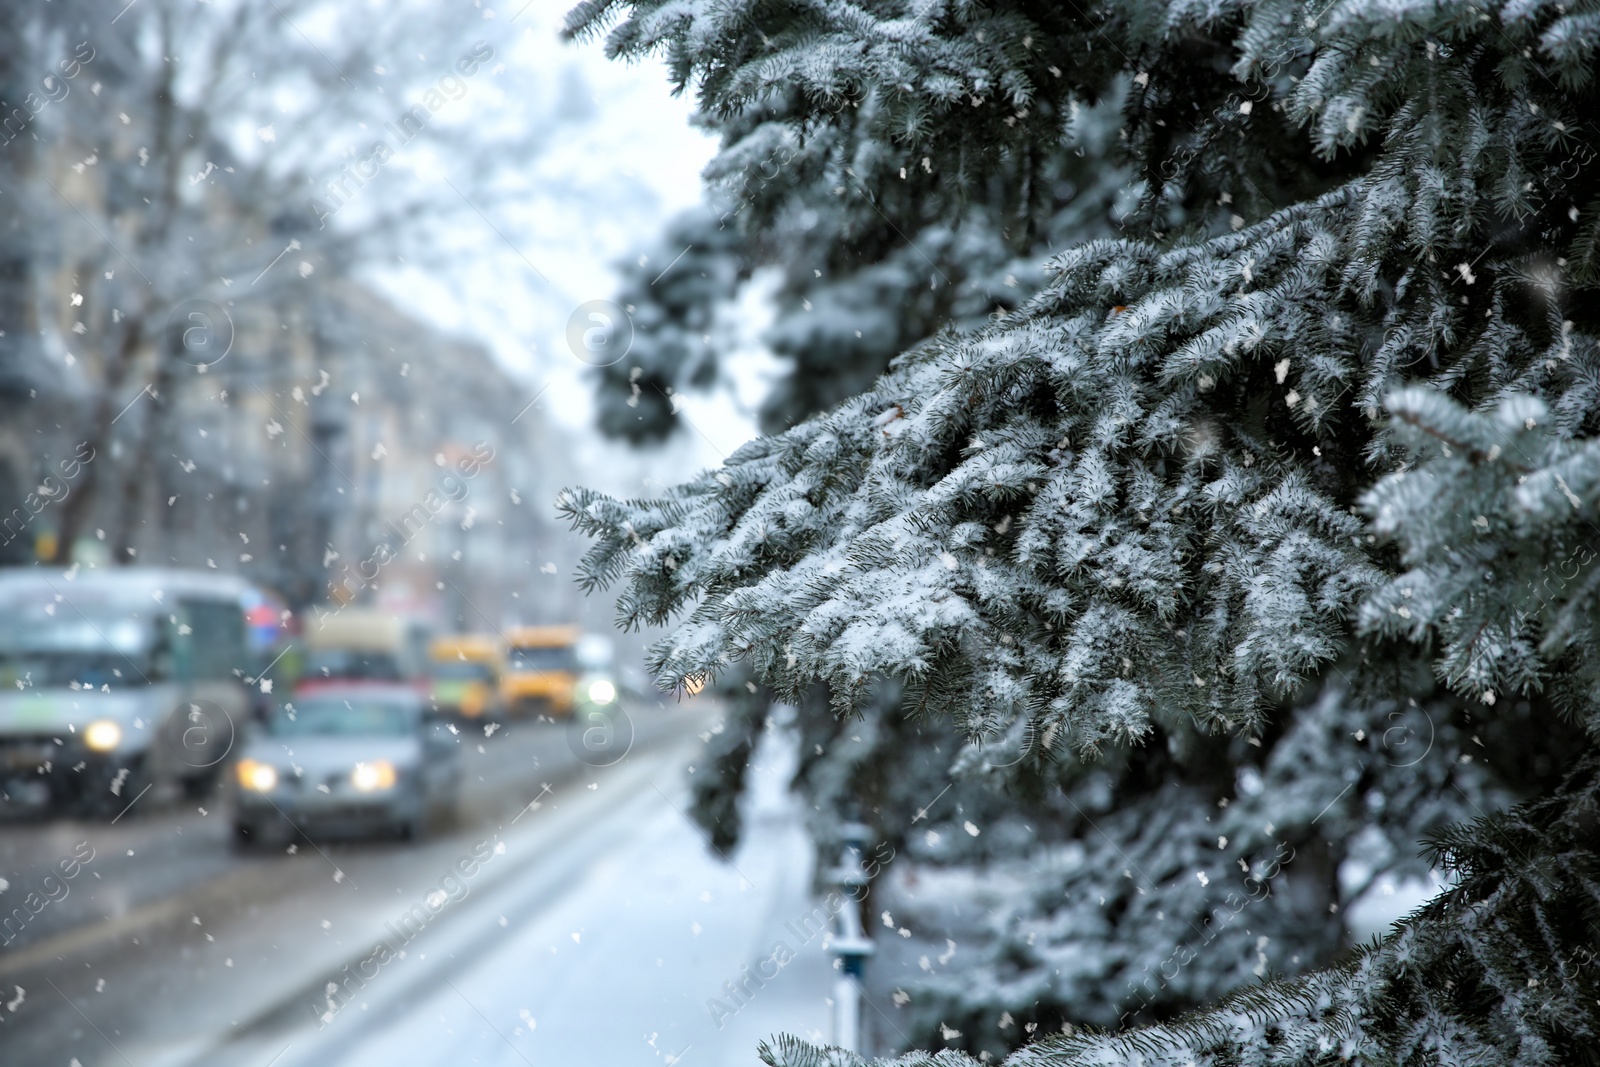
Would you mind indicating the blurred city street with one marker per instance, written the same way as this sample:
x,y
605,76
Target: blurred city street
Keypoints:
x,y
599,931
312,748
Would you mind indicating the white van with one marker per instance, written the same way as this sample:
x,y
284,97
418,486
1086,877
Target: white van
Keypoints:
x,y
115,679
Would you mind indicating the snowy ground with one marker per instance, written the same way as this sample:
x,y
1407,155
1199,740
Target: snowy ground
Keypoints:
x,y
597,934
618,967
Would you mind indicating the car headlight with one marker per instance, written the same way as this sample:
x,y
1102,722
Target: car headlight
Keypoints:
x,y
261,777
102,735
370,777
602,692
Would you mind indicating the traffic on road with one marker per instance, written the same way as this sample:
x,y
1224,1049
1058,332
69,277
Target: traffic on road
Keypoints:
x,y
316,744
202,817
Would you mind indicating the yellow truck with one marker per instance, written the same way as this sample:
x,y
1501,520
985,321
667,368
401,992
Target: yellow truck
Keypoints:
x,y
541,668
464,675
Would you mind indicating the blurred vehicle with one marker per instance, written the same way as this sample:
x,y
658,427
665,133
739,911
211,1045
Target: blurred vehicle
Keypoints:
x,y
596,692
598,688
276,657
112,680
267,621
364,645
465,673
595,652
346,759
541,668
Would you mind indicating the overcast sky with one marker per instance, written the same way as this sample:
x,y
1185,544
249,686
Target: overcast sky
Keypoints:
x,y
600,193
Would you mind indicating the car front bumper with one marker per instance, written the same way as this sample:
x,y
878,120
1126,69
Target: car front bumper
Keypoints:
x,y
340,814
555,690
37,774
467,701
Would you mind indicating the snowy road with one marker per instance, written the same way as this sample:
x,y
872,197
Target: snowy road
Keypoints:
x,y
590,925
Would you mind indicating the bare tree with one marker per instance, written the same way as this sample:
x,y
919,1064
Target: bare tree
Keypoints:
x,y
214,162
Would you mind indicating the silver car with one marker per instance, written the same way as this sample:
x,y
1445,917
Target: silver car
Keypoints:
x,y
354,759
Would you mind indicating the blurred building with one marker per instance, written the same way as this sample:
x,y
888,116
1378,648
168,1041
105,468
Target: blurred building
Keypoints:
x,y
322,423
178,333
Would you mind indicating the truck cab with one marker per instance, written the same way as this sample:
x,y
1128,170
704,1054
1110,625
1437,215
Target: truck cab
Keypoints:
x,y
464,672
114,680
364,645
541,669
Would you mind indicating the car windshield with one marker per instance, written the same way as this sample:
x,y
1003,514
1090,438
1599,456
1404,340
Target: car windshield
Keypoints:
x,y
456,670
549,658
338,717
346,663
49,643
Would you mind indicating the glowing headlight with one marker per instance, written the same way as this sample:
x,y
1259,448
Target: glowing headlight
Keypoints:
x,y
102,735
602,692
369,777
262,777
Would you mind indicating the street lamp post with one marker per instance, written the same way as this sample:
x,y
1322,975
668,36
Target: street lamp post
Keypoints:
x,y
850,944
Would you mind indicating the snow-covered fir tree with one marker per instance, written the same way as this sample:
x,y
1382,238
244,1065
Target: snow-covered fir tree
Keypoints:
x,y
852,289
1301,467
